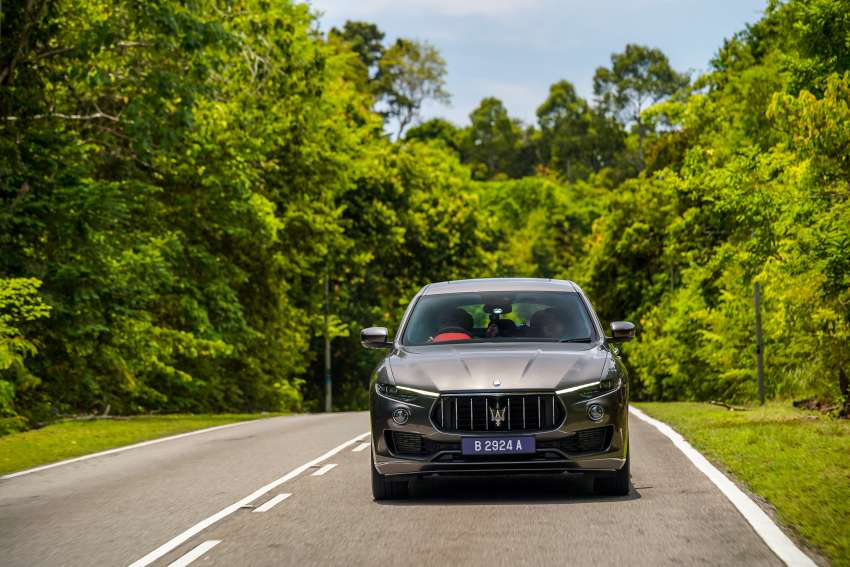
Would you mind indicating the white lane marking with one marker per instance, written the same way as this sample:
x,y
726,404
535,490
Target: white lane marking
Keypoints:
x,y
361,447
272,503
221,514
126,448
772,535
324,469
195,553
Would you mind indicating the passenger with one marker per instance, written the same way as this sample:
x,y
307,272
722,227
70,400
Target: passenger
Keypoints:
x,y
453,325
546,324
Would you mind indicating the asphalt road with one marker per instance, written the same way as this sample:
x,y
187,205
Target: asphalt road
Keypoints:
x,y
118,509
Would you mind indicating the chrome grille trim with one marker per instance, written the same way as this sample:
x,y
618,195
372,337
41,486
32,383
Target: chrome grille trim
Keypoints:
x,y
465,414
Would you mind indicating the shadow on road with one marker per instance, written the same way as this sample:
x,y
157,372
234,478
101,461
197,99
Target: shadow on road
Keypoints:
x,y
501,491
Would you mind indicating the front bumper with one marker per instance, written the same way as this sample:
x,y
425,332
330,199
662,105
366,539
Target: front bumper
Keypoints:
x,y
555,449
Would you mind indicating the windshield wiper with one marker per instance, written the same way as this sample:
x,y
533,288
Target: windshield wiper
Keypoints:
x,y
577,340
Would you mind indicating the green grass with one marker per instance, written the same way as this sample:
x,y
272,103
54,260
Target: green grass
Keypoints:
x,y
797,460
70,439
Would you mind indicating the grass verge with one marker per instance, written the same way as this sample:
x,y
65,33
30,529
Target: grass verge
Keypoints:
x,y
69,439
797,460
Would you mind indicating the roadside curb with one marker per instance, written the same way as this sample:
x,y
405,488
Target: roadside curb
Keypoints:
x,y
784,548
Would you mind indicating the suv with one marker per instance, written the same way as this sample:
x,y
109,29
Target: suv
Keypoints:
x,y
499,376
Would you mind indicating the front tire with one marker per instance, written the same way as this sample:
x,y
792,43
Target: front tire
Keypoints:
x,y
617,485
383,489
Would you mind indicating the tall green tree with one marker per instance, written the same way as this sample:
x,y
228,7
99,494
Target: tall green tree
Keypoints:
x,y
366,40
410,72
575,139
492,140
638,77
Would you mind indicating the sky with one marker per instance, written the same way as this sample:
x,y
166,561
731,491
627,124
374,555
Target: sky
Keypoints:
x,y
515,49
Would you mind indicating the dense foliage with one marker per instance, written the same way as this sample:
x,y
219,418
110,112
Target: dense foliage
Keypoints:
x,y
178,182
751,186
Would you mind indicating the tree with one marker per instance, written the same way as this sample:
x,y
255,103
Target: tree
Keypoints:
x,y
20,305
821,29
437,129
492,140
575,138
366,40
173,178
175,184
638,78
564,120
409,73
541,225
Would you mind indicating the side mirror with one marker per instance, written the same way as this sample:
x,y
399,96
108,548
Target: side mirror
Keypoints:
x,y
375,337
622,331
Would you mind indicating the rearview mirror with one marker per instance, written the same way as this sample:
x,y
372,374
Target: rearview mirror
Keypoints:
x,y
375,337
622,331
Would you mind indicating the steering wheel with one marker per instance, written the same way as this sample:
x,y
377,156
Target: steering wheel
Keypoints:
x,y
452,330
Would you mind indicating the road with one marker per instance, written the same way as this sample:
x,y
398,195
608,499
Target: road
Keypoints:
x,y
120,508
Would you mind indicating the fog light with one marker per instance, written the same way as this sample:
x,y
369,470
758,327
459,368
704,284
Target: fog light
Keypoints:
x,y
595,412
401,415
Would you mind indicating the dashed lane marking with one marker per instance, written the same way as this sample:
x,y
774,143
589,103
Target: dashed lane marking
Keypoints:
x,y
195,553
272,503
324,470
221,514
361,447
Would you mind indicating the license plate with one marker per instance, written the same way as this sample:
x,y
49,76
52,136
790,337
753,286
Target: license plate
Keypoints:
x,y
497,445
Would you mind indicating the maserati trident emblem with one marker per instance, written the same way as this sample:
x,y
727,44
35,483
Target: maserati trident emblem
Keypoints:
x,y
497,415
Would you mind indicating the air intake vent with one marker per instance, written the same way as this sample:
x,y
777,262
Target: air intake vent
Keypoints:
x,y
406,443
498,412
588,440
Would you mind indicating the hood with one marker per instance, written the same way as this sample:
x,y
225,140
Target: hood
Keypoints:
x,y
446,368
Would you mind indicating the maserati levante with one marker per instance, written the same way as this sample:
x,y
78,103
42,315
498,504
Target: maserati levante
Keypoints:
x,y
499,376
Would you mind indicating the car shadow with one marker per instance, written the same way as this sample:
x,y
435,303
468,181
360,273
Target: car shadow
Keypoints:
x,y
505,490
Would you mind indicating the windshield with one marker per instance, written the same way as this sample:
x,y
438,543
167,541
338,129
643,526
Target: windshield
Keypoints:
x,y
498,317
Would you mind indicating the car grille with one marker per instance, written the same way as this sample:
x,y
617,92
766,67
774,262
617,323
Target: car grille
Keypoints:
x,y
498,412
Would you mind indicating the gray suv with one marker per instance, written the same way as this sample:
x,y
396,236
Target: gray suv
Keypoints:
x,y
499,376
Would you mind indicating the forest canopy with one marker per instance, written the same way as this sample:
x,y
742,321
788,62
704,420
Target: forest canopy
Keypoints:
x,y
179,181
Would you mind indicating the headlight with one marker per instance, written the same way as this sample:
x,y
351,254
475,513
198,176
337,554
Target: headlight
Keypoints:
x,y
390,391
611,381
403,393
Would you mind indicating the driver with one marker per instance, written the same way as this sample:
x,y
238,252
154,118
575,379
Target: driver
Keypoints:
x,y
546,323
453,325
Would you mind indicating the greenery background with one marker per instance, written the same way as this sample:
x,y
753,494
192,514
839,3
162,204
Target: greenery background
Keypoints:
x,y
177,180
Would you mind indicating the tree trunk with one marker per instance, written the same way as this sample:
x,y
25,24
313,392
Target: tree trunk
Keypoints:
x,y
641,136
